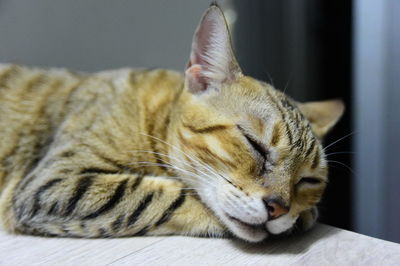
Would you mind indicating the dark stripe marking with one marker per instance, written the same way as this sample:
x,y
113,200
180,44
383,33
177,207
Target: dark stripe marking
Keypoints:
x,y
315,162
34,82
117,223
137,182
289,134
53,209
7,74
95,170
173,207
102,232
276,134
142,231
311,148
206,129
67,154
114,200
132,219
83,225
81,188
66,171
39,192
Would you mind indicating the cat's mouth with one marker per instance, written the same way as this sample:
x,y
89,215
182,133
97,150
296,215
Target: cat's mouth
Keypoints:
x,y
244,224
257,232
247,231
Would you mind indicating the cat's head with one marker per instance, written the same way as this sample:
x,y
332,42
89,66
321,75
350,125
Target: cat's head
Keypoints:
x,y
253,154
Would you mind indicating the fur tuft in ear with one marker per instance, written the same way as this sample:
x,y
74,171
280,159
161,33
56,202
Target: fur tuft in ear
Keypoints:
x,y
322,115
211,59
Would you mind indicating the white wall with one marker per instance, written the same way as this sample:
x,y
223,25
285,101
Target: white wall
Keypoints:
x,y
377,118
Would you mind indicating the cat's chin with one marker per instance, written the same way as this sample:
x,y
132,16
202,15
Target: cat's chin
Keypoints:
x,y
248,232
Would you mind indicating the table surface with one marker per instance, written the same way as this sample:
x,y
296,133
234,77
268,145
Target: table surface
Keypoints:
x,y
324,245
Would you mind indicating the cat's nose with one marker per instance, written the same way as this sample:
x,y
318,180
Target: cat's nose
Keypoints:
x,y
276,207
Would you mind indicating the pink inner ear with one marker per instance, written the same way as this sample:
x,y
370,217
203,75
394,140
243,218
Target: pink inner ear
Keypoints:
x,y
194,70
206,40
197,81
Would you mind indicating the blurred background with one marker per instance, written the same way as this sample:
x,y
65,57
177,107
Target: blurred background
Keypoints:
x,y
311,49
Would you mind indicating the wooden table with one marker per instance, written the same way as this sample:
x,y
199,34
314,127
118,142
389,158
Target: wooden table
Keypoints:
x,y
324,245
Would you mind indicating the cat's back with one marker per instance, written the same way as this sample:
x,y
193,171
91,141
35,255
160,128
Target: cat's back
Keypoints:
x,y
30,96
30,90
34,102
26,89
29,93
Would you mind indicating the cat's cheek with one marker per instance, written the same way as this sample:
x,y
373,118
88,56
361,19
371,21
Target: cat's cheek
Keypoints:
x,y
280,225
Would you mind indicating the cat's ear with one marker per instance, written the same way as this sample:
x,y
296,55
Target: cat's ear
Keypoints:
x,y
322,115
212,61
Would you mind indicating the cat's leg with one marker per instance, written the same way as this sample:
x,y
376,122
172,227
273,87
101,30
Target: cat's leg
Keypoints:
x,y
95,203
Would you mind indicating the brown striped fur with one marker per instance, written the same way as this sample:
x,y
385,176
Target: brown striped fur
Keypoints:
x,y
144,152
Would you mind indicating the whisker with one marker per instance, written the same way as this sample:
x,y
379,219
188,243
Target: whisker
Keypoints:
x,y
205,167
197,177
336,141
189,156
340,152
286,86
342,164
269,77
164,155
175,148
170,157
163,165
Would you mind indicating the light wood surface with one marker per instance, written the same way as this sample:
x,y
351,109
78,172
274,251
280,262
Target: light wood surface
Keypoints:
x,y
324,245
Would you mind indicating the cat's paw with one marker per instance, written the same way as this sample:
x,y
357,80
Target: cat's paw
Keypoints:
x,y
283,224
307,219
287,225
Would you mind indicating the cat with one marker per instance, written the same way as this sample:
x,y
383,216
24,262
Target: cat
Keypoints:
x,y
211,152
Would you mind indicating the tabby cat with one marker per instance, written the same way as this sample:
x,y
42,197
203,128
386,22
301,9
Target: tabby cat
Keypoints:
x,y
153,152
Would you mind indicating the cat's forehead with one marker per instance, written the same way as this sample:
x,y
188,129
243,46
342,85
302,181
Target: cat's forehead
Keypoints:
x,y
277,120
262,102
270,115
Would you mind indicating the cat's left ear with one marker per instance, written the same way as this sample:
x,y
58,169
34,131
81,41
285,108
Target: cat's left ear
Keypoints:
x,y
322,115
212,61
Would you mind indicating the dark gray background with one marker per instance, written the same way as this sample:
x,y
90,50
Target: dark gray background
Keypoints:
x,y
93,35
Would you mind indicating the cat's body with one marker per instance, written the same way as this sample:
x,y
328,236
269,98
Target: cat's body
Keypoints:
x,y
151,152
56,125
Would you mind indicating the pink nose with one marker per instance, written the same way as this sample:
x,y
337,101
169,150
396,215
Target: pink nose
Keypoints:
x,y
275,207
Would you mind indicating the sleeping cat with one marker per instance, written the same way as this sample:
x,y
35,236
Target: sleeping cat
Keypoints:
x,y
153,152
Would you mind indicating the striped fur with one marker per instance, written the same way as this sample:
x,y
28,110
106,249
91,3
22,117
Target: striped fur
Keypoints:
x,y
140,152
69,152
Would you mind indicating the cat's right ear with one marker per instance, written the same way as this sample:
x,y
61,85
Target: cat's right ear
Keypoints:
x,y
212,60
322,115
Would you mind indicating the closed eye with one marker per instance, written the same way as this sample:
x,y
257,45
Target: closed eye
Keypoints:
x,y
256,146
309,180
259,149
